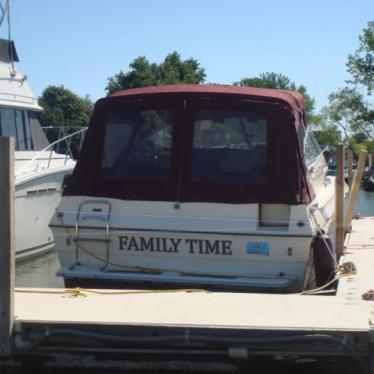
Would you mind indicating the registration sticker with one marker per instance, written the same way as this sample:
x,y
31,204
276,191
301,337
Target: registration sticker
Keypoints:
x,y
258,248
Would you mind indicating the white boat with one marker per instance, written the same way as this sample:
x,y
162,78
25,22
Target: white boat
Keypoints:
x,y
39,177
197,185
39,170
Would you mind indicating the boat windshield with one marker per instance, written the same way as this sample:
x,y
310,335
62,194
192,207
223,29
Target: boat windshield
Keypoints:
x,y
311,147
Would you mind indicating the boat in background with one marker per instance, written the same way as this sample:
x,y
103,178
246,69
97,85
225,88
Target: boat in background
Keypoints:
x,y
368,180
39,178
198,185
39,170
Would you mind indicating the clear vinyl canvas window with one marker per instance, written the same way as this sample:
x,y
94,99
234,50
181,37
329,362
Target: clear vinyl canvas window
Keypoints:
x,y
229,146
137,145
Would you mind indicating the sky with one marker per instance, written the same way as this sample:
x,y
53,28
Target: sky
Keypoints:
x,y
81,43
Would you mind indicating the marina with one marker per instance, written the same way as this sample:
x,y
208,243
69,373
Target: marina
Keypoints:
x,y
239,273
176,225
48,323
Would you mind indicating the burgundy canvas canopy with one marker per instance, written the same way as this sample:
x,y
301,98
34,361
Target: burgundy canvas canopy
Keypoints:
x,y
195,143
293,98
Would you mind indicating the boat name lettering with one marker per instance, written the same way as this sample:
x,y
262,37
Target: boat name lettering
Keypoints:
x,y
174,245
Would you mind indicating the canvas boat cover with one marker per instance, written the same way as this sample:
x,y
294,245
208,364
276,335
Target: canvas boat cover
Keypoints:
x,y
195,143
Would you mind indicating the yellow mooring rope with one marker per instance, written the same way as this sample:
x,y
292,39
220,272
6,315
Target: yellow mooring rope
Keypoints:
x,y
344,273
84,292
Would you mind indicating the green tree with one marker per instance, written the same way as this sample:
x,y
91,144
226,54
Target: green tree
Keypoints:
x,y
348,111
327,134
361,64
172,70
63,108
279,81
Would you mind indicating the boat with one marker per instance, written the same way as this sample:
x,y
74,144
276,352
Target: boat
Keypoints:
x,y
210,186
368,179
39,170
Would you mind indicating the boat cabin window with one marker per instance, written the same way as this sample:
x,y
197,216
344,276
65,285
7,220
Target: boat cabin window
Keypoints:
x,y
229,146
26,121
311,148
8,127
137,145
20,130
16,123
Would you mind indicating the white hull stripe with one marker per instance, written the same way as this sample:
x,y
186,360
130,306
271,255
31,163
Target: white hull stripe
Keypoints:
x,y
258,233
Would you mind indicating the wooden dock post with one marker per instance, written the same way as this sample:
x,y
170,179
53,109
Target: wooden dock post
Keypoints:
x,y
6,244
354,190
339,200
350,169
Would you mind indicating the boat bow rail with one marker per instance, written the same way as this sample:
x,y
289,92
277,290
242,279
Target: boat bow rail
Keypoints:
x,y
47,158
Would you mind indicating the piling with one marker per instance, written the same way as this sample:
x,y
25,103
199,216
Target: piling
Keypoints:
x,y
352,200
6,244
339,200
350,168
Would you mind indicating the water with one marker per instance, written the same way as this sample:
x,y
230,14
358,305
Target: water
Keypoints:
x,y
365,203
40,271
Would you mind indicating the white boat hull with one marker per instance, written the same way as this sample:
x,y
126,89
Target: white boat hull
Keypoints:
x,y
35,202
194,244
188,258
